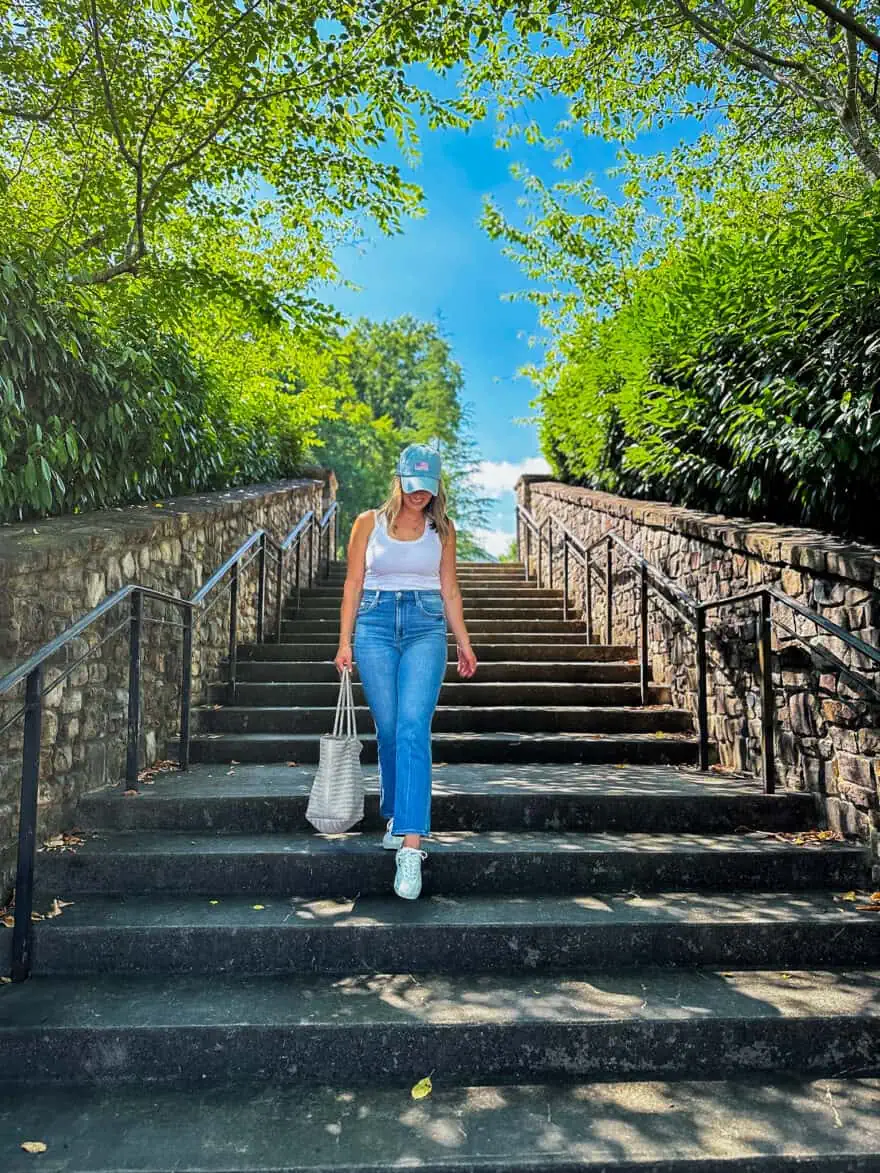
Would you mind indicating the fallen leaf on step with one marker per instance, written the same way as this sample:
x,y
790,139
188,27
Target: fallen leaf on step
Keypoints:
x,y
876,896
5,981
34,1146
293,763
7,922
785,976
849,896
57,907
258,907
422,1089
129,793
233,762
37,916
868,908
66,841
213,901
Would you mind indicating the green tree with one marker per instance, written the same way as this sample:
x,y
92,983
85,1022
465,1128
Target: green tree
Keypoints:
x,y
742,374
123,125
400,385
784,94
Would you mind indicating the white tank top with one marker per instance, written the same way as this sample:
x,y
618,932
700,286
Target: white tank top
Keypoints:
x,y
394,565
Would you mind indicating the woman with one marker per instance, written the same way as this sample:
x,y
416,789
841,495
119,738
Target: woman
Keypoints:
x,y
401,587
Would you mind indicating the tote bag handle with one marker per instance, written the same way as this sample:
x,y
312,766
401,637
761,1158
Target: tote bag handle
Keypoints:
x,y
344,723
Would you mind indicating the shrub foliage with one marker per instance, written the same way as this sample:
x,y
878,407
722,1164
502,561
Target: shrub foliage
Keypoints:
x,y
741,376
93,416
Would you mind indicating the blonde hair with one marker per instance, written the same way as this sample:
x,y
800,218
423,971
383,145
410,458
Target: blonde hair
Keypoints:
x,y
435,511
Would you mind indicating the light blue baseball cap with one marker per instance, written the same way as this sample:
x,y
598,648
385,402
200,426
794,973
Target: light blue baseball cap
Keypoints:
x,y
419,468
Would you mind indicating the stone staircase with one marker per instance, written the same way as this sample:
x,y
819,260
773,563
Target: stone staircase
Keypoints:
x,y
541,693
618,964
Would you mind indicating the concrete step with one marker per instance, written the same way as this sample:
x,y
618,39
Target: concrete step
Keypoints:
x,y
509,628
515,591
756,1124
514,647
272,798
214,865
466,718
455,692
489,672
474,613
478,934
521,748
392,1029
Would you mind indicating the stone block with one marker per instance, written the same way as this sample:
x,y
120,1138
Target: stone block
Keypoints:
x,y
844,740
72,700
854,769
839,713
864,799
95,588
793,583
801,716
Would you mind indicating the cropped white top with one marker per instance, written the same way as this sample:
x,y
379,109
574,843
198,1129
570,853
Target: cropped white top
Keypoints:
x,y
394,565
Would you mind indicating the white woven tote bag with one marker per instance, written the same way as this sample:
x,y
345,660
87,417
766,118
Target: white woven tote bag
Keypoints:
x,y
336,800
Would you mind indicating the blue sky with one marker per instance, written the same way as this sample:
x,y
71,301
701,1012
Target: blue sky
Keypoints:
x,y
444,266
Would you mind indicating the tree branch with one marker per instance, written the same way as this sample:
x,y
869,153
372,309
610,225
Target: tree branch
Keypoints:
x,y
181,74
105,86
848,21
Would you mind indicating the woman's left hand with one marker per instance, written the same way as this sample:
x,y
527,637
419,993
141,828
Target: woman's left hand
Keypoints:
x,y
467,661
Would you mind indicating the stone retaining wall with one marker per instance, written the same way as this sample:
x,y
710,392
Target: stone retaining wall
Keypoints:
x,y
827,738
54,571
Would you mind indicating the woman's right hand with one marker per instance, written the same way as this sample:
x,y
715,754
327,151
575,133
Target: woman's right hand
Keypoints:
x,y
344,658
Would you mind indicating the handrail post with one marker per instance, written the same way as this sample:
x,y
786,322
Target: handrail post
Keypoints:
x,y
261,588
609,610
768,701
298,561
528,551
564,578
233,635
186,687
134,690
588,594
279,592
518,535
312,552
550,551
702,691
27,826
643,632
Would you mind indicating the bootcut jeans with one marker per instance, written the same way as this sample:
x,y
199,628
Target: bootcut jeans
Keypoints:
x,y
400,649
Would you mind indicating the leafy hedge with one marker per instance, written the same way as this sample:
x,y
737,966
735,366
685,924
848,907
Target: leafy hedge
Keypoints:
x,y
92,416
743,375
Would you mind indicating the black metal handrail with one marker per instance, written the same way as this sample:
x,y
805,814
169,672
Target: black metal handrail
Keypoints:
x,y
694,613
257,546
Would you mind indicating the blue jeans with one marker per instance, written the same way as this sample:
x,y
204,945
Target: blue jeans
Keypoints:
x,y
400,649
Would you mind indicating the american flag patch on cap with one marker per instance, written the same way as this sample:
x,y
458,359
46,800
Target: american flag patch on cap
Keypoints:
x,y
421,466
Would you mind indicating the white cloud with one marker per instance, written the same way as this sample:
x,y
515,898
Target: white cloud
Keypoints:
x,y
494,541
494,477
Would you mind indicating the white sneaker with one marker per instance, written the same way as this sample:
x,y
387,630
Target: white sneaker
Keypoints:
x,y
391,842
408,880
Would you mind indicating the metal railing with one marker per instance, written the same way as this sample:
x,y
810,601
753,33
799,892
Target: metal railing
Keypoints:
x,y
259,547
650,579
